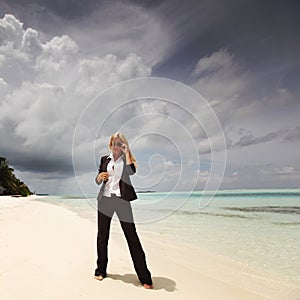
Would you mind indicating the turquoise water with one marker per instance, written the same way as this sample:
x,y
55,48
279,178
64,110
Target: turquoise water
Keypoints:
x,y
259,228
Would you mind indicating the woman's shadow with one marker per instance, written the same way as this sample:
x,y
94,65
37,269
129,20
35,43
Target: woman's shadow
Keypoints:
x,y
160,283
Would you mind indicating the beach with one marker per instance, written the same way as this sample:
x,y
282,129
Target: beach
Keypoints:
x,y
49,252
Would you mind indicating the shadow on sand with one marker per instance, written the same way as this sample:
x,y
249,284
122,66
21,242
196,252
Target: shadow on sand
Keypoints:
x,y
160,283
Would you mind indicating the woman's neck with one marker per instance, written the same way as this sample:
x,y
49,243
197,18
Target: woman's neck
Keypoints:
x,y
116,156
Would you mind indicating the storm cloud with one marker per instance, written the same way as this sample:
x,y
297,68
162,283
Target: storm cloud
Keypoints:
x,y
56,56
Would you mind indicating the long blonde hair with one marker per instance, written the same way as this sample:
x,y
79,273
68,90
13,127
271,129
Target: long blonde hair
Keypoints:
x,y
125,141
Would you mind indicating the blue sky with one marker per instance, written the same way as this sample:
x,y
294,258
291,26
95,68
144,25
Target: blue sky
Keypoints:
x,y
241,56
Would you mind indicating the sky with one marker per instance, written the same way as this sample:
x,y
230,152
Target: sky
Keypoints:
x,y
207,92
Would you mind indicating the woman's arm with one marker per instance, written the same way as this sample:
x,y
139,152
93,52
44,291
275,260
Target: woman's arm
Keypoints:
x,y
129,166
130,169
101,175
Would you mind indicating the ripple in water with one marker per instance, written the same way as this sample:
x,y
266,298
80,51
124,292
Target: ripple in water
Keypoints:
x,y
268,209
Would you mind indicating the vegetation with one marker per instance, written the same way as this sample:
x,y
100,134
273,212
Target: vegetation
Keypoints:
x,y
9,184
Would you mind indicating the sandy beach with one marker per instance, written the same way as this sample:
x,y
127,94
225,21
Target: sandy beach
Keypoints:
x,y
49,252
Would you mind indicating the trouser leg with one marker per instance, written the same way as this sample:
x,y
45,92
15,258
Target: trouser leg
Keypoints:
x,y
137,252
124,211
104,221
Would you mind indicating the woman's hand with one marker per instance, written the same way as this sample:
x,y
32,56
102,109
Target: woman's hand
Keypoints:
x,y
102,176
124,148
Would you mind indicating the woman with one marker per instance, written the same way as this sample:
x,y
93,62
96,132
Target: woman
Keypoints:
x,y
115,196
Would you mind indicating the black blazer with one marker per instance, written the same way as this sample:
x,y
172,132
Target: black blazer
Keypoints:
x,y
126,189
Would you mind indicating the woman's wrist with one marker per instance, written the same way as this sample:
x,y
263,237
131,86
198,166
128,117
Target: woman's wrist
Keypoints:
x,y
128,158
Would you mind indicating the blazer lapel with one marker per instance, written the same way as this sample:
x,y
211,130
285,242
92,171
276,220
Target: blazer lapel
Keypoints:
x,y
105,163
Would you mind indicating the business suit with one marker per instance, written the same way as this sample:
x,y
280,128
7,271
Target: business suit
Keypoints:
x,y
107,206
126,188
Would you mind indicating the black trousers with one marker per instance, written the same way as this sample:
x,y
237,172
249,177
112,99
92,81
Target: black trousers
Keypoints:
x,y
106,208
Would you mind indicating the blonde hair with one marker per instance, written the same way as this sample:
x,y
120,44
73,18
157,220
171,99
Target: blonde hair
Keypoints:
x,y
123,138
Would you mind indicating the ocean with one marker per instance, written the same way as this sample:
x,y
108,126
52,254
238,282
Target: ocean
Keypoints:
x,y
258,228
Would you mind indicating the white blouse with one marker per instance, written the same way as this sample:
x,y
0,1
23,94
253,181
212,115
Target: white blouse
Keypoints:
x,y
114,169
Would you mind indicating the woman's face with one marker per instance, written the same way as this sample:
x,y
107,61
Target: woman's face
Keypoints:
x,y
116,146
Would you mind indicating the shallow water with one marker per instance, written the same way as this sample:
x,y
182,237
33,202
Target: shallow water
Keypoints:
x,y
260,228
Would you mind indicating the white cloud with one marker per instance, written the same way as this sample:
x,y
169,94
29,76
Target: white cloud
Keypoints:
x,y
220,78
3,88
31,44
41,106
11,30
45,86
214,63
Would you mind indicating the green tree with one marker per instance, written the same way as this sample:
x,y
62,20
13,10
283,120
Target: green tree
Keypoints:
x,y
10,185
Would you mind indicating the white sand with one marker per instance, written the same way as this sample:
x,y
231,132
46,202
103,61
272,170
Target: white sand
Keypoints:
x,y
48,252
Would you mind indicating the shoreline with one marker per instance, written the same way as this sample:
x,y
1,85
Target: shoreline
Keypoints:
x,y
53,251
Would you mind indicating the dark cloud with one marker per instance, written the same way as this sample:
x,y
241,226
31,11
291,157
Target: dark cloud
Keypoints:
x,y
39,163
70,9
263,35
250,139
64,8
262,80
293,135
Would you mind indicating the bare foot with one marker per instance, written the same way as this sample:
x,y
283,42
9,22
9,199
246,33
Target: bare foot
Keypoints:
x,y
100,277
148,286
